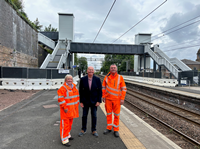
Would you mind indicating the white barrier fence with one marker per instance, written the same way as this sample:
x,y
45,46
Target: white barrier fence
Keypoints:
x,y
33,84
153,81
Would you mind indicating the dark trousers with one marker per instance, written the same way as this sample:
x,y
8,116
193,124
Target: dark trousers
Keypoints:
x,y
93,109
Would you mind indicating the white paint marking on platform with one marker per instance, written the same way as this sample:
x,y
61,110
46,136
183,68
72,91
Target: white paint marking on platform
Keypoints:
x,y
7,107
56,97
50,106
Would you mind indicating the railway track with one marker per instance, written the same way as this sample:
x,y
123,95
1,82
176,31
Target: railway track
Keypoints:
x,y
167,106
182,113
173,109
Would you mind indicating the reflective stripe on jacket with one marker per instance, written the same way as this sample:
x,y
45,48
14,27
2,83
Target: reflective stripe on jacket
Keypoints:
x,y
68,98
114,87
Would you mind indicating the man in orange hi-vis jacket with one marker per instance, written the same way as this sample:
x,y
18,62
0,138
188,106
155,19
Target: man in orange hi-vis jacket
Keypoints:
x,y
114,92
68,99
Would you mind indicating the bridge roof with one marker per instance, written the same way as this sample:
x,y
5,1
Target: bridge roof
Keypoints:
x,y
103,48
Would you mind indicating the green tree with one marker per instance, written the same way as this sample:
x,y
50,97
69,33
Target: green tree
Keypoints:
x,y
18,4
50,29
24,14
37,24
82,61
75,59
119,60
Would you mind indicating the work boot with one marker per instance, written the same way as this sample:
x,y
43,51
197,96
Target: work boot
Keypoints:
x,y
71,138
116,134
67,144
106,131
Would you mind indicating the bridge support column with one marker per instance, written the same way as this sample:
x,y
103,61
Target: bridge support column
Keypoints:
x,y
159,68
179,78
137,64
144,69
154,66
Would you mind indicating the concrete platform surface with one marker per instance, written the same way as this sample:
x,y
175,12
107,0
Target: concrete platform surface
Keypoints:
x,y
34,124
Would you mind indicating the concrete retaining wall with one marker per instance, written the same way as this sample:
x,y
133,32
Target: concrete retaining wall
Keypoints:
x,y
18,41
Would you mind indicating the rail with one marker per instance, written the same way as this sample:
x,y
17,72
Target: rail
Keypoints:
x,y
171,108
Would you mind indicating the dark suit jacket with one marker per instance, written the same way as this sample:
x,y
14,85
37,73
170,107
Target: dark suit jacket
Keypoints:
x,y
90,96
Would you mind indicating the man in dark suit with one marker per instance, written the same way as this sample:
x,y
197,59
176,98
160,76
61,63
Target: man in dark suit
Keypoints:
x,y
90,90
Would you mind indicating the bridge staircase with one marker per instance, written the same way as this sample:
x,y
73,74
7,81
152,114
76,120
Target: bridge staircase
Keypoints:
x,y
58,56
172,64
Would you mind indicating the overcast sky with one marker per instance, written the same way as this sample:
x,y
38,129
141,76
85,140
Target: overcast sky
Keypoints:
x,y
90,14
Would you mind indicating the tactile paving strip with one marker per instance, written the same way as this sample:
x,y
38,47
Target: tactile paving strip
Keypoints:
x,y
126,135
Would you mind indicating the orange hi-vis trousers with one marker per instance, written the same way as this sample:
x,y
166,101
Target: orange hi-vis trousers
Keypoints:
x,y
113,106
65,128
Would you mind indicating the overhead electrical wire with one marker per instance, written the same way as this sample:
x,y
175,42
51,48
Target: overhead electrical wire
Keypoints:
x,y
104,21
172,28
182,48
140,21
180,43
177,29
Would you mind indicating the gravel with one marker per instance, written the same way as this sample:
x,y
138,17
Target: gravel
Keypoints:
x,y
181,125
11,97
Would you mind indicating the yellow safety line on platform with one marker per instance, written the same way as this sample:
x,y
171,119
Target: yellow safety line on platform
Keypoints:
x,y
130,141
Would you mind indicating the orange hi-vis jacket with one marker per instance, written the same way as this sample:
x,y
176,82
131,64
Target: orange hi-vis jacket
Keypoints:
x,y
113,87
68,98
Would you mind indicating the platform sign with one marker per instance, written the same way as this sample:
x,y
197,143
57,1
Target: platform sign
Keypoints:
x,y
183,82
63,71
75,66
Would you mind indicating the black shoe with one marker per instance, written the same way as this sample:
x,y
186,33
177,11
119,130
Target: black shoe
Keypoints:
x,y
116,134
106,131
67,144
71,138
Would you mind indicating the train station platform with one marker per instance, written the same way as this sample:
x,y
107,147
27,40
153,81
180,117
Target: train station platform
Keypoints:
x,y
34,123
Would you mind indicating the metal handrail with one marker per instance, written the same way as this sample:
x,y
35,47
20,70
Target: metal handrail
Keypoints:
x,y
180,64
162,61
45,40
46,61
53,54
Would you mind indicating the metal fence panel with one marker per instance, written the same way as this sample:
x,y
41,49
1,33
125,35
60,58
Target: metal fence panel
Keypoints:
x,y
33,73
10,72
48,73
158,75
37,73
56,75
0,72
141,74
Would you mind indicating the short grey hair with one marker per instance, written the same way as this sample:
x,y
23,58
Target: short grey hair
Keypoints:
x,y
113,65
67,76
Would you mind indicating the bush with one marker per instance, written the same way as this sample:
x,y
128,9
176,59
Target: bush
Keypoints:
x,y
21,14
